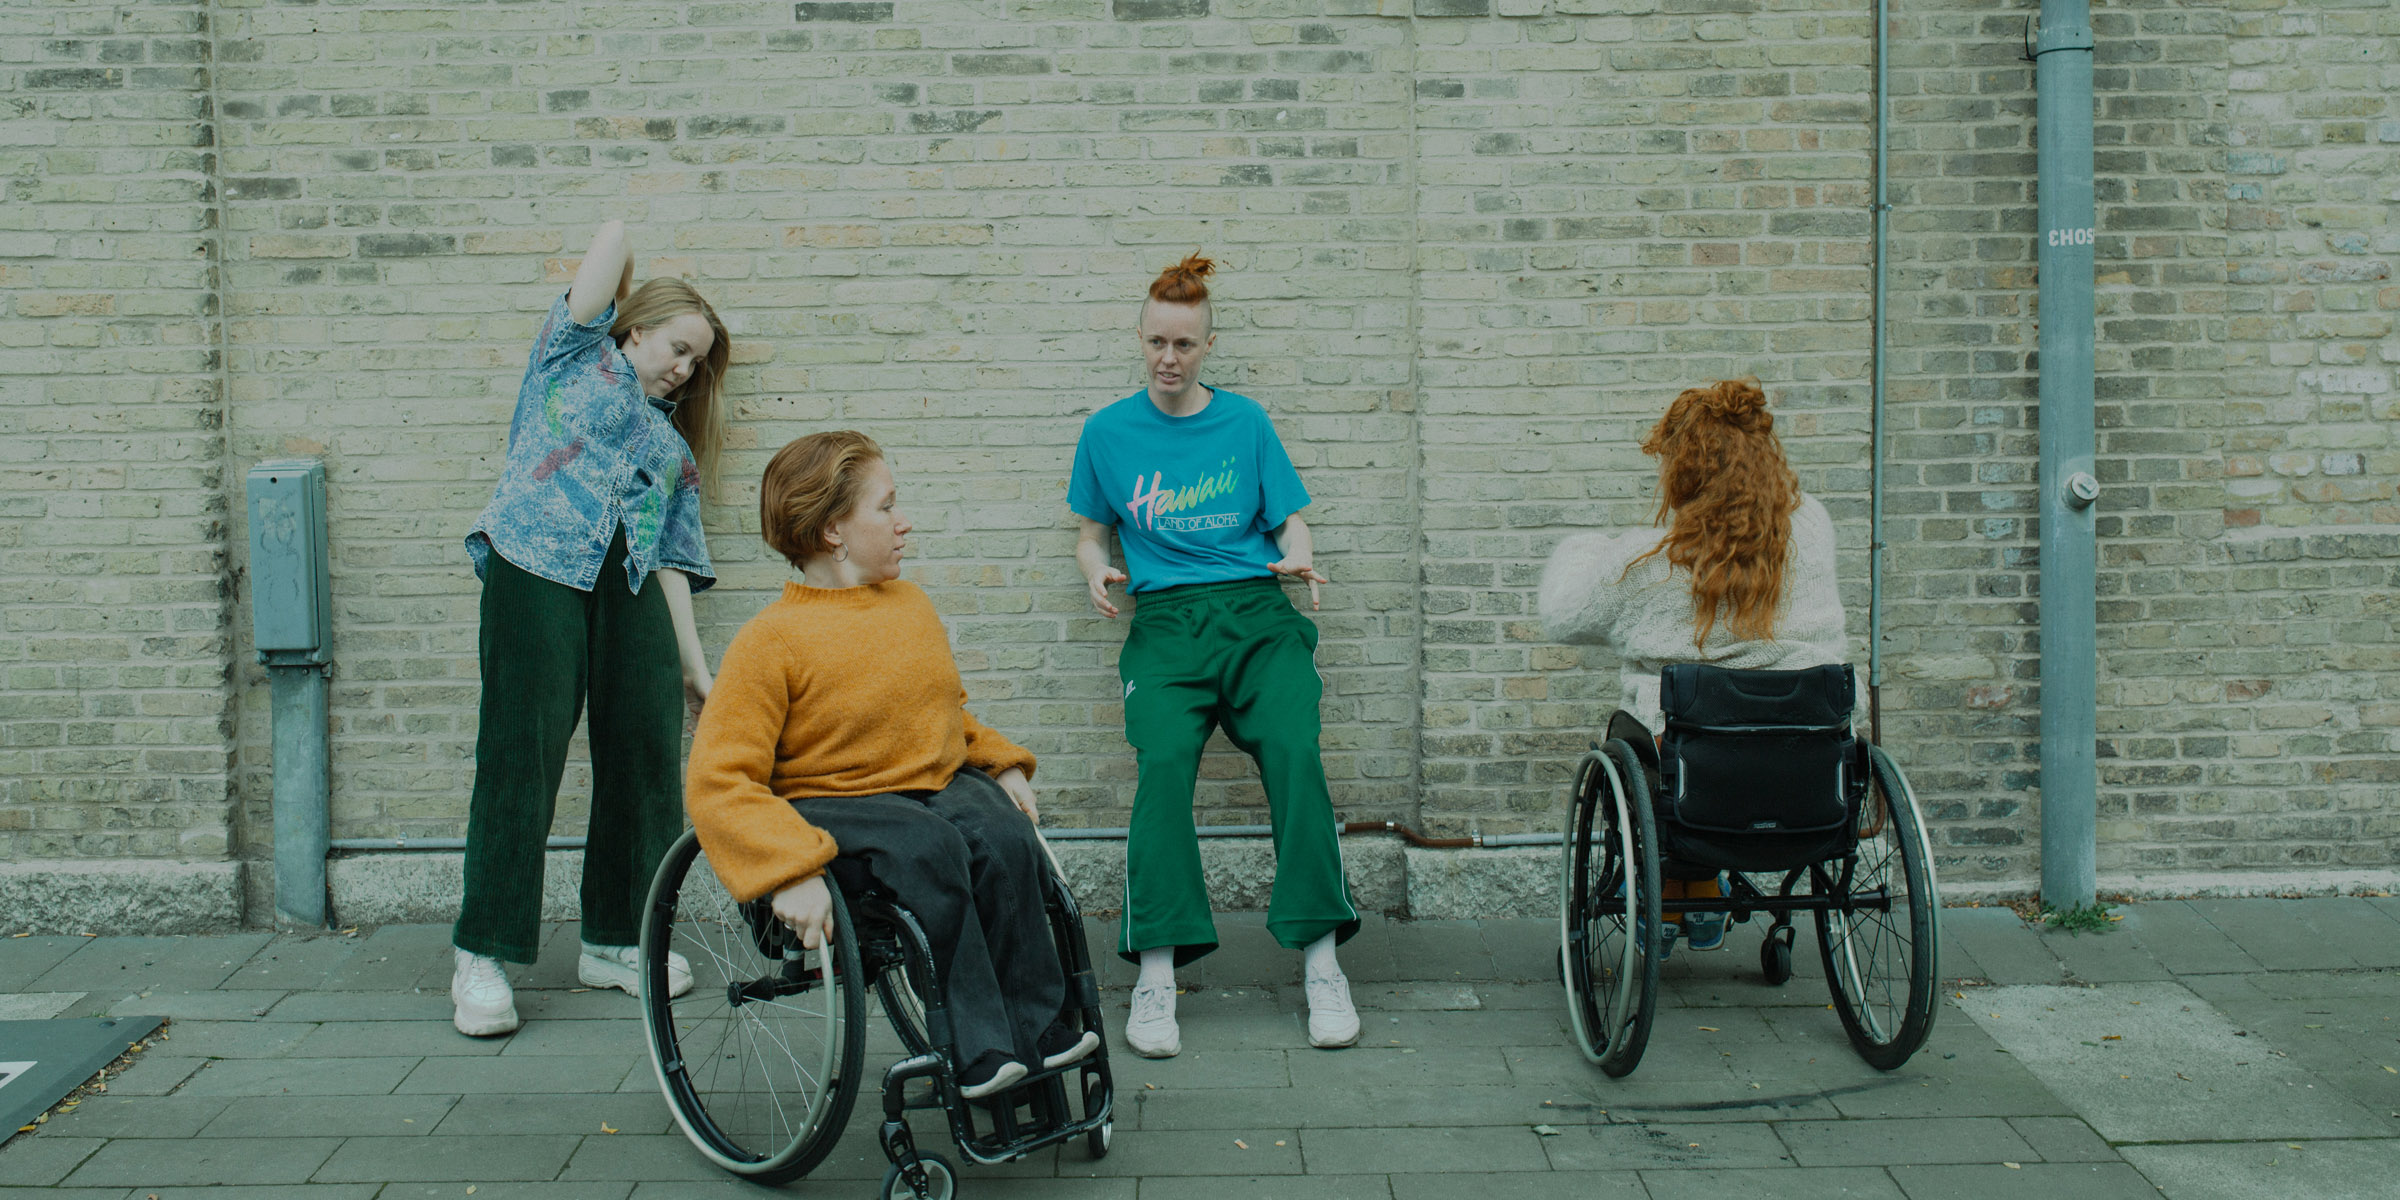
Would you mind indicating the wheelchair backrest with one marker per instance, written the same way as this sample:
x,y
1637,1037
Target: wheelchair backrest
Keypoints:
x,y
1758,752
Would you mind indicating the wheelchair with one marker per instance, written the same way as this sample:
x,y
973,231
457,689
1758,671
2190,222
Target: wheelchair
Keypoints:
x,y
760,1060
1757,773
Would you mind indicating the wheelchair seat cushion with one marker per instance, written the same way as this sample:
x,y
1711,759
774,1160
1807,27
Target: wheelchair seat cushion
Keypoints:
x,y
1758,770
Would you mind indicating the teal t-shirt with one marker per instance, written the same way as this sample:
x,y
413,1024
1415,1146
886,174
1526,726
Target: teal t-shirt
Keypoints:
x,y
1194,498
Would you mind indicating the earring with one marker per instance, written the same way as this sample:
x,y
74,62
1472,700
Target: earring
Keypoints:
x,y
841,554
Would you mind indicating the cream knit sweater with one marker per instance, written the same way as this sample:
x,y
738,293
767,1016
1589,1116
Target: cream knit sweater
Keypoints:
x,y
1647,616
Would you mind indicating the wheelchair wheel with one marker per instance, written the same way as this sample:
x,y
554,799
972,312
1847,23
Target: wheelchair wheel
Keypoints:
x,y
1608,910
941,1183
760,1060
906,1009
1879,960
1096,1141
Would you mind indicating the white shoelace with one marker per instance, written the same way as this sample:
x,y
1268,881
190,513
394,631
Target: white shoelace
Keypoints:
x,y
1152,1004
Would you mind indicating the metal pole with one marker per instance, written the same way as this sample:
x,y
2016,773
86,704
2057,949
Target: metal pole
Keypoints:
x,y
300,793
1883,227
2069,544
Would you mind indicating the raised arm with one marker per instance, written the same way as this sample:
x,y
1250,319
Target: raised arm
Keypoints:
x,y
1091,554
606,275
1583,586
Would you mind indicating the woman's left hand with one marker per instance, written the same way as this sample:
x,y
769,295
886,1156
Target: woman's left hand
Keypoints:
x,y
695,692
1299,568
1020,793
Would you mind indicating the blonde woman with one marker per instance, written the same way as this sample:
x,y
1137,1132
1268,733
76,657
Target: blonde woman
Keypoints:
x,y
589,553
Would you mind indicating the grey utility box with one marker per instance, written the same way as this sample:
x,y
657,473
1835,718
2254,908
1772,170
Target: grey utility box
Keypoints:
x,y
291,585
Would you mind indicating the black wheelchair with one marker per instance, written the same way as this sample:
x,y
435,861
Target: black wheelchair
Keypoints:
x,y
1756,772
760,1059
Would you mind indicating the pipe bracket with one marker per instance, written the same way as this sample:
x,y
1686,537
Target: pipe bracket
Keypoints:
x,y
2065,37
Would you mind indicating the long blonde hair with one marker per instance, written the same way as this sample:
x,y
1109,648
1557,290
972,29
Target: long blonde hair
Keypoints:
x,y
699,405
1729,491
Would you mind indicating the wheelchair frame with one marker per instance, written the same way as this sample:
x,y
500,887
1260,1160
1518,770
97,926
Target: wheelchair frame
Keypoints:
x,y
874,938
1611,920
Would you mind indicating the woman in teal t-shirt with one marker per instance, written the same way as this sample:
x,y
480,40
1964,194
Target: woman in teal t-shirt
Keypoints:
x,y
1205,502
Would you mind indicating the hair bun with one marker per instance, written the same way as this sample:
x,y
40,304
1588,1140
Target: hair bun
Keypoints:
x,y
1740,403
1185,282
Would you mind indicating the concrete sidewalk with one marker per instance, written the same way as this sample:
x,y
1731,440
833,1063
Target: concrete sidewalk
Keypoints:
x,y
2225,1048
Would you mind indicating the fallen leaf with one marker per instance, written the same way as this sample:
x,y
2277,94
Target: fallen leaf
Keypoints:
x,y
1546,1130
1279,1143
470,1189
1710,1029
29,933
605,1127
1240,1143
1691,1145
2012,1166
2291,1145
2112,1037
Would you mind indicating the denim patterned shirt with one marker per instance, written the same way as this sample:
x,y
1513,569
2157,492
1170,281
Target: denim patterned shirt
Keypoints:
x,y
588,451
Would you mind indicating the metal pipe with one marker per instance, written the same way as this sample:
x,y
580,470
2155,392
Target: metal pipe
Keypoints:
x,y
418,845
1882,210
2067,487
298,723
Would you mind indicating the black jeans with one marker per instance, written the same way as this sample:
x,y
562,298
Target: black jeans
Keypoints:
x,y
970,867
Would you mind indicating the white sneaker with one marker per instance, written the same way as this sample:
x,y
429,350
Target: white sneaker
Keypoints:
x,y
479,989
1332,1020
1151,1030
621,967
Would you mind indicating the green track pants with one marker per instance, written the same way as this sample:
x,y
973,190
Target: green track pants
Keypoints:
x,y
1235,655
545,648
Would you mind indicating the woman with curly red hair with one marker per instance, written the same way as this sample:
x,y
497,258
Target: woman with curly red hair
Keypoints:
x,y
1742,576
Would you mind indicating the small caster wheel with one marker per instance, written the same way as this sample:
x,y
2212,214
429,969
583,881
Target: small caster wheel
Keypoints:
x,y
1097,1140
941,1183
1775,955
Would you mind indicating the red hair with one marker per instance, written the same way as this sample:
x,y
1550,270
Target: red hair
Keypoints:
x,y
1723,478
1186,282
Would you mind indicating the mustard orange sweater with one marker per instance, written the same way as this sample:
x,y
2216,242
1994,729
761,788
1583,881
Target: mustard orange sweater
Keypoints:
x,y
828,692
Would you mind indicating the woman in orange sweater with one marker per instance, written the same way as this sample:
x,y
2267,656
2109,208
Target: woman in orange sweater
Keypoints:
x,y
838,725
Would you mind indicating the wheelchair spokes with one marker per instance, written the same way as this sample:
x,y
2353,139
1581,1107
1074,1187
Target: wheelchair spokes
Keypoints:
x,y
755,1056
1878,936
1609,919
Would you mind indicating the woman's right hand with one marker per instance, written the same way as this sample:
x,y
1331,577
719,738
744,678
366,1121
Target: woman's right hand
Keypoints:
x,y
1098,582
806,908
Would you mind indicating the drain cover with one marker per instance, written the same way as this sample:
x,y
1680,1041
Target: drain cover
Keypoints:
x,y
41,1061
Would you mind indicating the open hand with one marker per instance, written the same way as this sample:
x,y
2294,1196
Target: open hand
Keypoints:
x,y
1299,568
1099,581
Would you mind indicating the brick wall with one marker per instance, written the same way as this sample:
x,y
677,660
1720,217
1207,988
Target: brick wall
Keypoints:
x,y
114,734
1470,253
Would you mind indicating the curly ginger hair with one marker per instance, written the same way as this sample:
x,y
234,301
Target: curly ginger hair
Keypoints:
x,y
1723,480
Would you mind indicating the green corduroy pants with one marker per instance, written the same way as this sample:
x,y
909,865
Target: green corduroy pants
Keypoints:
x,y
545,648
1239,656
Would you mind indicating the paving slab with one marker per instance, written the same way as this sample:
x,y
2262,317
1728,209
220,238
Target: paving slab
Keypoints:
x,y
36,1006
2369,934
395,1039
332,1116
581,1189
2276,934
114,1115
203,1162
1267,1187
1146,1153
25,959
527,1156
2318,1170
2003,945
498,1074
2024,1181
1520,1185
1801,1183
2105,956
2183,941
2153,1062
122,966
288,1191
1889,1142
634,1113
299,1077
44,1159
2062,1139
1646,1147
194,1005
234,1039
1412,1151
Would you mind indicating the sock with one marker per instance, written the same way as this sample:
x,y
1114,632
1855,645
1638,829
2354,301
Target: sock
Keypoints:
x,y
1318,959
1158,969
